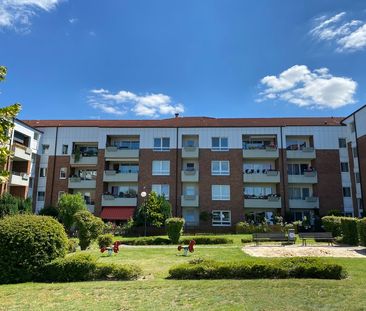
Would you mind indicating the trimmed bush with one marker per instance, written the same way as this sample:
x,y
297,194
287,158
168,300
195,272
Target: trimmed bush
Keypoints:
x,y
206,240
349,230
89,228
362,231
174,228
259,269
27,243
73,245
185,240
246,240
247,228
50,211
332,224
105,240
146,241
84,267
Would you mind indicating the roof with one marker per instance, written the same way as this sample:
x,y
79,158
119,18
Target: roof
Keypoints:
x,y
192,122
117,213
353,113
27,125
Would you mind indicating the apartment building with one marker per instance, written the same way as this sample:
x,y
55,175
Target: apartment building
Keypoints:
x,y
214,172
24,142
356,145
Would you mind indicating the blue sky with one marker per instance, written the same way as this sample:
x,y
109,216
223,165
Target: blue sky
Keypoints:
x,y
148,59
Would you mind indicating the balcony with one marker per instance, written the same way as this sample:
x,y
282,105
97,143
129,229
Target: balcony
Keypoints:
x,y
110,200
22,152
306,178
265,176
189,200
83,160
261,153
114,176
190,176
303,153
121,153
269,202
308,203
79,183
190,152
19,179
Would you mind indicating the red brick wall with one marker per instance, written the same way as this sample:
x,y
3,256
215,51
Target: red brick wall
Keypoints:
x,y
361,143
18,191
281,165
329,186
353,181
21,166
35,182
99,183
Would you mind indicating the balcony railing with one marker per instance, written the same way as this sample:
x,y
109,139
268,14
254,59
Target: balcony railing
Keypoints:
x,y
189,200
307,203
190,152
83,160
300,153
120,152
190,175
262,202
261,152
120,176
22,152
261,176
111,200
81,183
308,177
19,179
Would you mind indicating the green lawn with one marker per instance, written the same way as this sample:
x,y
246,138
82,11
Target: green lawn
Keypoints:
x,y
155,292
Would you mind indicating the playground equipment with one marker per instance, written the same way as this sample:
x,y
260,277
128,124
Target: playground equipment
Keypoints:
x,y
187,248
111,249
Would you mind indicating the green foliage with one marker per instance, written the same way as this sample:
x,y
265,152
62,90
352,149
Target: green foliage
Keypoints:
x,y
73,244
201,239
156,209
10,205
174,228
84,267
247,240
146,241
362,231
50,211
69,205
105,240
89,228
300,267
349,230
27,243
335,212
332,224
247,228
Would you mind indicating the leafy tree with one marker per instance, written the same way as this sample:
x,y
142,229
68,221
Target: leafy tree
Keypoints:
x,y
7,115
49,211
156,209
69,205
89,228
10,205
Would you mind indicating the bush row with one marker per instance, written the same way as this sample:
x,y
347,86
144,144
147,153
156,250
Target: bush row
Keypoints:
x,y
274,269
84,267
184,240
206,240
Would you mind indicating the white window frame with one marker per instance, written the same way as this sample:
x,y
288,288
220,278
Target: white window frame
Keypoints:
x,y
45,150
220,147
220,171
221,223
220,196
44,169
161,171
161,147
158,189
44,195
63,170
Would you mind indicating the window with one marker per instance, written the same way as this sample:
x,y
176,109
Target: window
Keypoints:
x,y
35,136
43,172
65,149
220,192
189,167
357,177
342,143
297,169
162,144
63,172
40,196
220,144
297,193
60,193
162,190
346,192
160,167
221,218
344,167
45,149
257,192
220,168
125,191
190,190
354,151
258,168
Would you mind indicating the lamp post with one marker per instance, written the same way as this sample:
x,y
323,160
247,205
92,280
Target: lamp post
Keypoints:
x,y
143,195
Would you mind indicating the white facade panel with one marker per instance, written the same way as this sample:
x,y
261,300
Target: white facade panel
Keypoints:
x,y
69,135
360,117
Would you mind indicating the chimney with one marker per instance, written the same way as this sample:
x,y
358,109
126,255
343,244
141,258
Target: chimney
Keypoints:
x,y
176,115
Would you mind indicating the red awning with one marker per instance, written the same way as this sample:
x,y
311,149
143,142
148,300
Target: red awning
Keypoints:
x,y
117,213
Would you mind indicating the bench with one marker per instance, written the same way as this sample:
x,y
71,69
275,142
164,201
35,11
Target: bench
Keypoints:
x,y
317,236
270,236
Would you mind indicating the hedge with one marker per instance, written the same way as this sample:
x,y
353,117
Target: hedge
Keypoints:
x,y
105,240
27,243
332,224
362,231
146,241
206,240
84,267
185,240
349,230
299,267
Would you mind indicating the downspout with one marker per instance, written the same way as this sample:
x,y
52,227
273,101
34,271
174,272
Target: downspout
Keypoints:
x,y
358,161
54,165
176,172
283,172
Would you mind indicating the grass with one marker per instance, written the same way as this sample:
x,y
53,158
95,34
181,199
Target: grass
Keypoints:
x,y
155,292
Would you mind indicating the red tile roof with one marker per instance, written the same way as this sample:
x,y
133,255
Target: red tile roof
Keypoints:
x,y
192,122
117,213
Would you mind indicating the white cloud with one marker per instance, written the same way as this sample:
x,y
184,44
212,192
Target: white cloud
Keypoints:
x,y
149,105
302,87
347,35
73,20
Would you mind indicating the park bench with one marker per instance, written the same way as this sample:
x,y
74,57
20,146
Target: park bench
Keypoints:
x,y
270,236
317,236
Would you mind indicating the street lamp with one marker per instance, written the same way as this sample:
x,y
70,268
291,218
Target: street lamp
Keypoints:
x,y
143,195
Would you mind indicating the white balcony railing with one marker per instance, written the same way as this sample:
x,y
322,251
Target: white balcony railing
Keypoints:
x,y
83,160
190,200
19,179
262,177
306,178
116,153
261,153
304,153
22,152
78,183
190,152
110,200
272,202
308,203
113,176
190,175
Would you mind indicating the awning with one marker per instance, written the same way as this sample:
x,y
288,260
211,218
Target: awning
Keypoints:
x,y
117,213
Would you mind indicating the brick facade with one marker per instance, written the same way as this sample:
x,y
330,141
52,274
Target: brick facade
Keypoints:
x,y
361,143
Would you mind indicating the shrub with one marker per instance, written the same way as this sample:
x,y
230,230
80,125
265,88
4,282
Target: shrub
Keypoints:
x,y
146,241
174,228
332,224
84,267
89,228
27,243
349,230
73,245
259,269
49,211
69,205
105,240
247,228
246,240
362,231
10,205
206,240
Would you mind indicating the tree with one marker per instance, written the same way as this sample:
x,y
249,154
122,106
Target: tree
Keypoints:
x,y
174,228
156,209
69,205
10,205
7,115
89,228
